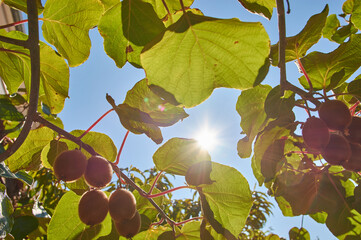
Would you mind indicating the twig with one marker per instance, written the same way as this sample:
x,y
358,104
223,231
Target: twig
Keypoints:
x,y
305,74
155,181
33,44
167,9
13,24
94,124
121,147
66,135
282,44
188,220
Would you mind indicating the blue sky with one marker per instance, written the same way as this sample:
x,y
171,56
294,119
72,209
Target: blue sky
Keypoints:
x,y
90,82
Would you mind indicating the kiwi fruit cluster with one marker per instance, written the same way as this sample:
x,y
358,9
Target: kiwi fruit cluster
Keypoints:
x,y
336,134
94,204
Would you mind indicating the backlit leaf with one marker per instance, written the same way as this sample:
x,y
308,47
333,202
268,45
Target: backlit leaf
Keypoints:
x,y
331,25
136,121
66,224
22,5
66,25
126,28
163,113
178,154
229,197
250,106
273,158
296,233
8,111
54,72
144,206
198,53
298,45
190,231
28,155
260,147
51,151
354,87
263,7
172,5
321,67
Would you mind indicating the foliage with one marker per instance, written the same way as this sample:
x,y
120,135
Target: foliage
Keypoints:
x,y
185,56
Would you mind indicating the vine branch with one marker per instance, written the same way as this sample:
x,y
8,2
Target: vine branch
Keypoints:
x,y
282,44
33,44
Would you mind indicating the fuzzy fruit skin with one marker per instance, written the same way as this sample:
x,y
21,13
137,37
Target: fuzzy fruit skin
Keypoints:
x,y
315,133
354,130
70,165
354,162
199,173
129,227
336,114
93,207
337,151
98,172
122,205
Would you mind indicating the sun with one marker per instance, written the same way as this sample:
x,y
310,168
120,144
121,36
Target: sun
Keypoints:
x,y
207,138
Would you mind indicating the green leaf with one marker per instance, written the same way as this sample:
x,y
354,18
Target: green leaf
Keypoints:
x,y
22,175
229,197
345,224
28,155
151,234
172,5
262,143
331,26
198,53
263,7
276,105
319,217
250,106
100,142
298,45
24,225
109,3
321,67
190,231
356,14
54,72
178,154
343,33
163,113
354,87
22,5
126,28
273,159
6,216
8,111
66,224
51,151
144,206
347,6
67,21
296,233
136,121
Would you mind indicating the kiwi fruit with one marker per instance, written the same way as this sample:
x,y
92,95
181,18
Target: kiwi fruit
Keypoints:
x,y
122,205
129,227
354,162
337,151
315,133
336,114
199,173
70,165
93,207
98,172
354,130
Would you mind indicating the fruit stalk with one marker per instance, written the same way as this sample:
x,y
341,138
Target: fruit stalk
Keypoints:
x,y
121,147
165,192
188,220
155,182
95,123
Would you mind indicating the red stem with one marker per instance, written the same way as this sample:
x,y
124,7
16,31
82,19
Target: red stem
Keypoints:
x,y
14,24
165,192
93,125
353,108
121,147
158,223
305,74
188,220
119,177
155,181
14,51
